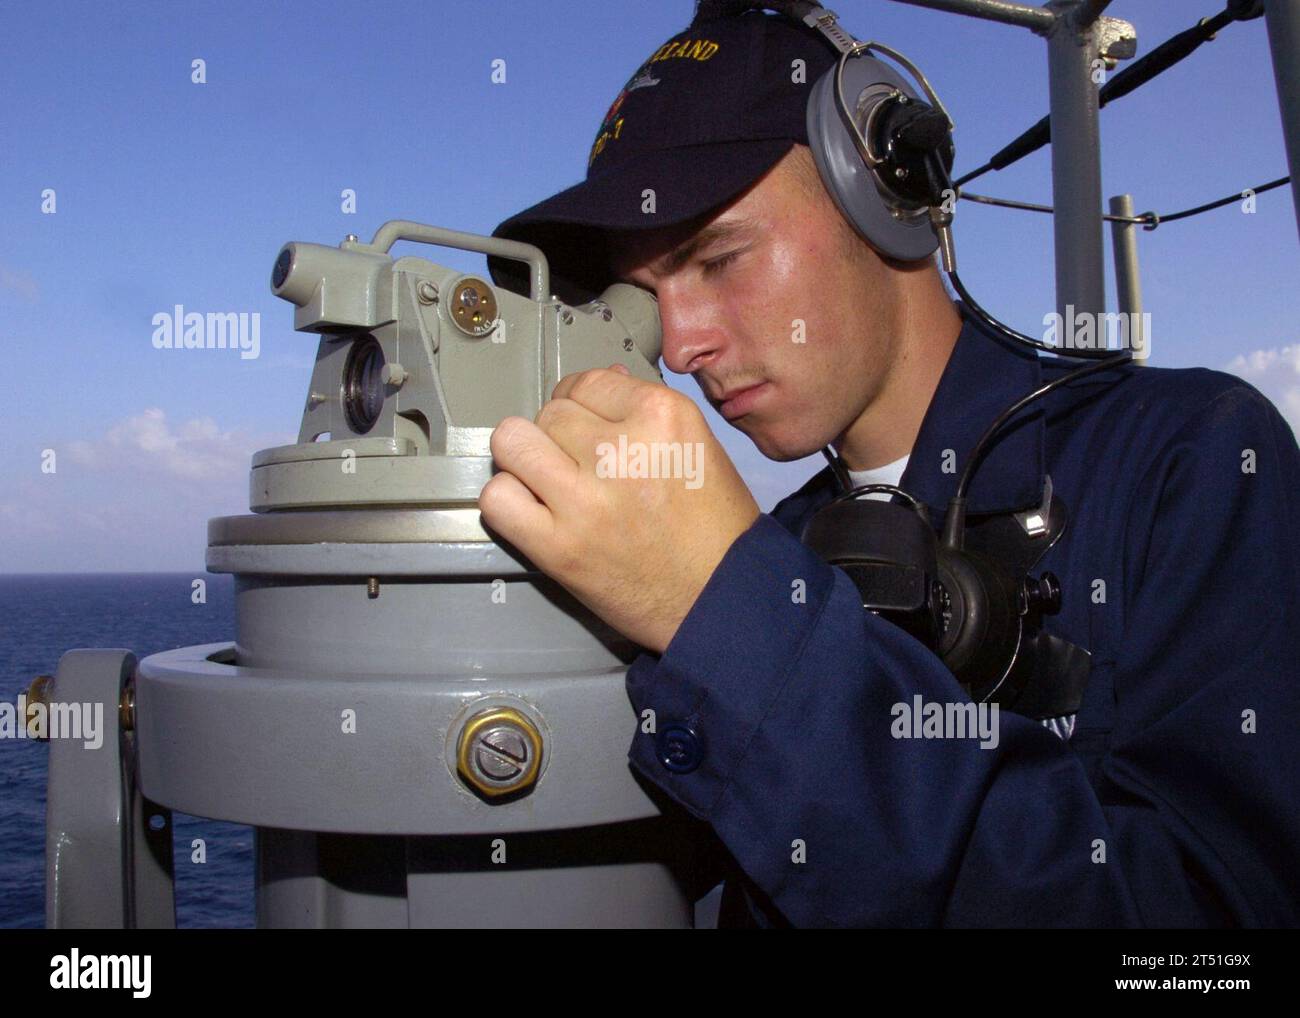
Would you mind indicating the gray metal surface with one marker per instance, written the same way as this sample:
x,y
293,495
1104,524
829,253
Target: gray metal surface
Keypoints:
x,y
1037,18
266,747
1283,17
385,561
549,895
511,623
1128,282
104,867
418,363
1091,10
304,880
371,480
370,526
1076,163
622,876
403,229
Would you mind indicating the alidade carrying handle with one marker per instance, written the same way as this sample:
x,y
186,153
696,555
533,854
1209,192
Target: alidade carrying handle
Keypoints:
x,y
404,229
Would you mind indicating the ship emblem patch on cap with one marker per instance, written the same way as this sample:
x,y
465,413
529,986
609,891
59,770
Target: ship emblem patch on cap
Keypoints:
x,y
644,79
612,124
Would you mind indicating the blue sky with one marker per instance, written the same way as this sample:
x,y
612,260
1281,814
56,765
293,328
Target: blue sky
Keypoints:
x,y
170,192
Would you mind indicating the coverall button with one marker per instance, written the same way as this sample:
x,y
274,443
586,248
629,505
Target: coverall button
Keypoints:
x,y
680,748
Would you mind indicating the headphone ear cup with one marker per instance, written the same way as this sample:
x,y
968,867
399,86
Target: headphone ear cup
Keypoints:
x,y
983,627
861,197
915,139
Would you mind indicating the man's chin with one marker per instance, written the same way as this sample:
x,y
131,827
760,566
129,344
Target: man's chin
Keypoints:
x,y
777,448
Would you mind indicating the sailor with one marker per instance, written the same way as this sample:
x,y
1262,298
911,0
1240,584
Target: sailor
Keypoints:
x,y
768,699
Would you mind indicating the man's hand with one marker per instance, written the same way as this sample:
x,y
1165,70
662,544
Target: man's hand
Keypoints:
x,y
576,495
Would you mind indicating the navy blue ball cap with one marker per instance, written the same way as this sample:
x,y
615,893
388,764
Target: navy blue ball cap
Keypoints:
x,y
700,122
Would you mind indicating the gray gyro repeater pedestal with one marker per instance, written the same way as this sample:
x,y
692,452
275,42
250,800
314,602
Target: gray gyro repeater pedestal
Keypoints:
x,y
423,728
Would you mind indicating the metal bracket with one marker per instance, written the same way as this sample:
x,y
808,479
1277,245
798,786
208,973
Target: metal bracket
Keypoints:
x,y
1034,521
108,850
1116,40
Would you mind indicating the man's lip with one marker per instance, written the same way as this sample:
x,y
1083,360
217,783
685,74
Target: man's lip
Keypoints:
x,y
736,392
741,401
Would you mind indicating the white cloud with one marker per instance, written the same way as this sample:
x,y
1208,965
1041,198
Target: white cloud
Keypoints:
x,y
136,499
1276,373
148,444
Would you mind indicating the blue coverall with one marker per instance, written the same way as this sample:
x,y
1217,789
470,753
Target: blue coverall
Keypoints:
x,y
1176,801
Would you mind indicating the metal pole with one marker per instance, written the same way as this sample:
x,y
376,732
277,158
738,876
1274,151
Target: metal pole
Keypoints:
x,y
1037,18
1092,11
1283,18
1076,163
1127,282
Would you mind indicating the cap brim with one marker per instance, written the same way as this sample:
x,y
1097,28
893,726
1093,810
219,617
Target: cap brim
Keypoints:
x,y
574,228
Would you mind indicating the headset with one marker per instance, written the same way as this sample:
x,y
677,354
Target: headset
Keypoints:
x,y
885,155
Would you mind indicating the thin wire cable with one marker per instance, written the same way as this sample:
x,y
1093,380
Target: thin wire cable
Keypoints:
x,y
1218,204
838,469
888,489
1019,337
1136,74
1147,220
978,451
954,521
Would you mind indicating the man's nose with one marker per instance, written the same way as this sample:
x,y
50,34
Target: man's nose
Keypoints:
x,y
692,336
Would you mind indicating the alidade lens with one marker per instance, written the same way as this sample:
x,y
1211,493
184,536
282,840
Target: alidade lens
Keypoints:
x,y
363,389
281,271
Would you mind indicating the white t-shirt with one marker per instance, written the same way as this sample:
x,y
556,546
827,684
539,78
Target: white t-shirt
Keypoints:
x,y
890,473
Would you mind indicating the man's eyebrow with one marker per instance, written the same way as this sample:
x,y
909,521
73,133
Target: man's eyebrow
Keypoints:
x,y
710,234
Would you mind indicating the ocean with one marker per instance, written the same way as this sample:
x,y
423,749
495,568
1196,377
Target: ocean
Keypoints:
x,y
47,615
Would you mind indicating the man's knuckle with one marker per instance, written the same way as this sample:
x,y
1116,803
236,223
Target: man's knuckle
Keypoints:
x,y
666,409
582,383
503,437
515,443
553,412
660,402
489,496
